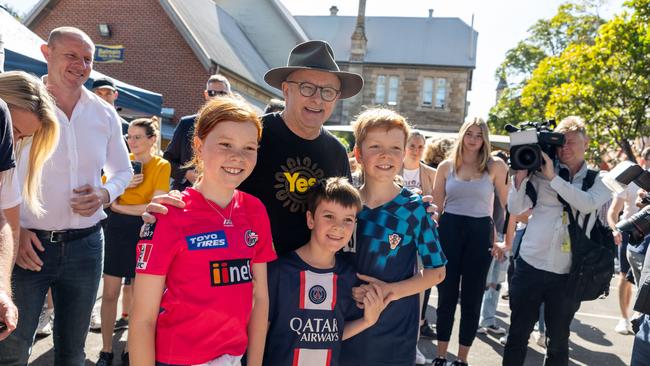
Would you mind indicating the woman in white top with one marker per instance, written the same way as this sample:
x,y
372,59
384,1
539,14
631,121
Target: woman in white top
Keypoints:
x,y
416,175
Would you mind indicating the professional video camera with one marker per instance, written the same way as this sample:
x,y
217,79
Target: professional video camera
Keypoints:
x,y
529,140
637,225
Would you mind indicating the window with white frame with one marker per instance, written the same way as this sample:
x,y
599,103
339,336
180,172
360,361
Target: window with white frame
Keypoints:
x,y
380,92
427,92
441,94
393,84
387,89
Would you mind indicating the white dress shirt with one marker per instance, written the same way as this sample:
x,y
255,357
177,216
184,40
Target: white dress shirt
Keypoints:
x,y
91,140
542,244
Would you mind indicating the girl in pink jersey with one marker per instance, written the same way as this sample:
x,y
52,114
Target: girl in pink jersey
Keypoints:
x,y
201,295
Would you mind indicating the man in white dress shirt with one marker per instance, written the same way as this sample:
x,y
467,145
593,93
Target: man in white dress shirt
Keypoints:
x,y
63,249
542,268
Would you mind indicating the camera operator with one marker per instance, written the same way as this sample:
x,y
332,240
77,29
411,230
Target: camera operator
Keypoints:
x,y
542,268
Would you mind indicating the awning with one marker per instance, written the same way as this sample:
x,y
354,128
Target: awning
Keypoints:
x,y
22,52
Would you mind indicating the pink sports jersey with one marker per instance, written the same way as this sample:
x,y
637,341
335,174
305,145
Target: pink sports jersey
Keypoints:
x,y
206,306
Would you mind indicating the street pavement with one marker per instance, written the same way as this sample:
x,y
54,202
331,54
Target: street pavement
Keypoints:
x,y
593,341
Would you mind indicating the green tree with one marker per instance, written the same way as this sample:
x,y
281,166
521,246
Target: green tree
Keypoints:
x,y
606,83
574,23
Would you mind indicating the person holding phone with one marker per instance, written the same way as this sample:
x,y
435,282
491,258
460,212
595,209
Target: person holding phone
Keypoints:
x,y
150,177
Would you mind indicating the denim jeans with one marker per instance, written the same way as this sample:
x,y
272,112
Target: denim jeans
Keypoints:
x,y
496,276
72,269
641,348
530,288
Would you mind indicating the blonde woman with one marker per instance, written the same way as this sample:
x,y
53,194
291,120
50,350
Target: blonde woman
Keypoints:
x,y
35,135
464,190
35,129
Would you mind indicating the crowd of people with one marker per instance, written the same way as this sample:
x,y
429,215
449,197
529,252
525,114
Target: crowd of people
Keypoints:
x,y
269,249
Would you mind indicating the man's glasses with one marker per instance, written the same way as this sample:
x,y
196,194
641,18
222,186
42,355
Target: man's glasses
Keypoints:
x,y
308,89
214,93
135,137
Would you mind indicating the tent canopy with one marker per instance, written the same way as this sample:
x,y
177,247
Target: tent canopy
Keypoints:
x,y
22,52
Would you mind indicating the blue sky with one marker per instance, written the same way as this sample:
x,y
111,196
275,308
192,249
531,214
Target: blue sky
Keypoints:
x,y
500,23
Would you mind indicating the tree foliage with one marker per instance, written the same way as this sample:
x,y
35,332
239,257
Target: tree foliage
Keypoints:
x,y
573,23
604,79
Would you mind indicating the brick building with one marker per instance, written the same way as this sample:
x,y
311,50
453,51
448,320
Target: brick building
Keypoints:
x,y
160,52
421,67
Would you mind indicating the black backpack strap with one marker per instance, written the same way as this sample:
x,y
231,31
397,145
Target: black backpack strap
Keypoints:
x,y
589,180
531,193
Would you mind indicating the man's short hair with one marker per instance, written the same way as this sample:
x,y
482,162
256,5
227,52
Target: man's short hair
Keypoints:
x,y
335,189
217,78
57,33
275,105
572,124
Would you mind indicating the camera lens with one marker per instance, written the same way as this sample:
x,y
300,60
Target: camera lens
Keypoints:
x,y
638,226
527,157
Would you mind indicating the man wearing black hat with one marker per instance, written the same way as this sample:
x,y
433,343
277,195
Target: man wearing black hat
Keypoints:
x,y
296,151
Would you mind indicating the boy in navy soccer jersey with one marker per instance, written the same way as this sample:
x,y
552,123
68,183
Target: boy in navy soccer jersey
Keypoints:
x,y
393,229
310,289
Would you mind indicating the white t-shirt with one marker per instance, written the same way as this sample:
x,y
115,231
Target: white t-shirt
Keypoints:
x,y
629,198
412,178
10,192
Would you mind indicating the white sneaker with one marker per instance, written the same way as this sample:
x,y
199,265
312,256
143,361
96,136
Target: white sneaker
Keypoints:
x,y
503,340
420,358
623,327
95,320
540,339
45,322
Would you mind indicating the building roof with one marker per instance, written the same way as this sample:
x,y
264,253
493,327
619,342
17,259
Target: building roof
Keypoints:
x,y
399,40
22,48
215,37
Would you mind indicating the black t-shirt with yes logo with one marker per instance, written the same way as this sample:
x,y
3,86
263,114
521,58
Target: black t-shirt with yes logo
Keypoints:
x,y
287,165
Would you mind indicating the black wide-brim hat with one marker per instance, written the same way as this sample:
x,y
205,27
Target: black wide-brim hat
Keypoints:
x,y
318,56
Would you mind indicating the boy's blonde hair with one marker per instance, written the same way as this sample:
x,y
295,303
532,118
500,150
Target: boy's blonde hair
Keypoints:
x,y
572,124
456,154
378,118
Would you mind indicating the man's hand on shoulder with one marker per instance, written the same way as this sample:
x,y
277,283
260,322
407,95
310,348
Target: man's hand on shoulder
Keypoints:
x,y
156,206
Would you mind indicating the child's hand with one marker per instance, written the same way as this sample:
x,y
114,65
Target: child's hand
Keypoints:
x,y
358,294
386,288
373,304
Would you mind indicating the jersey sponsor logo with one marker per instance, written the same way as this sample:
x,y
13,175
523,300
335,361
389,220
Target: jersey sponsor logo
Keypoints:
x,y
145,254
316,330
215,239
146,232
294,180
394,240
317,294
230,272
251,238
